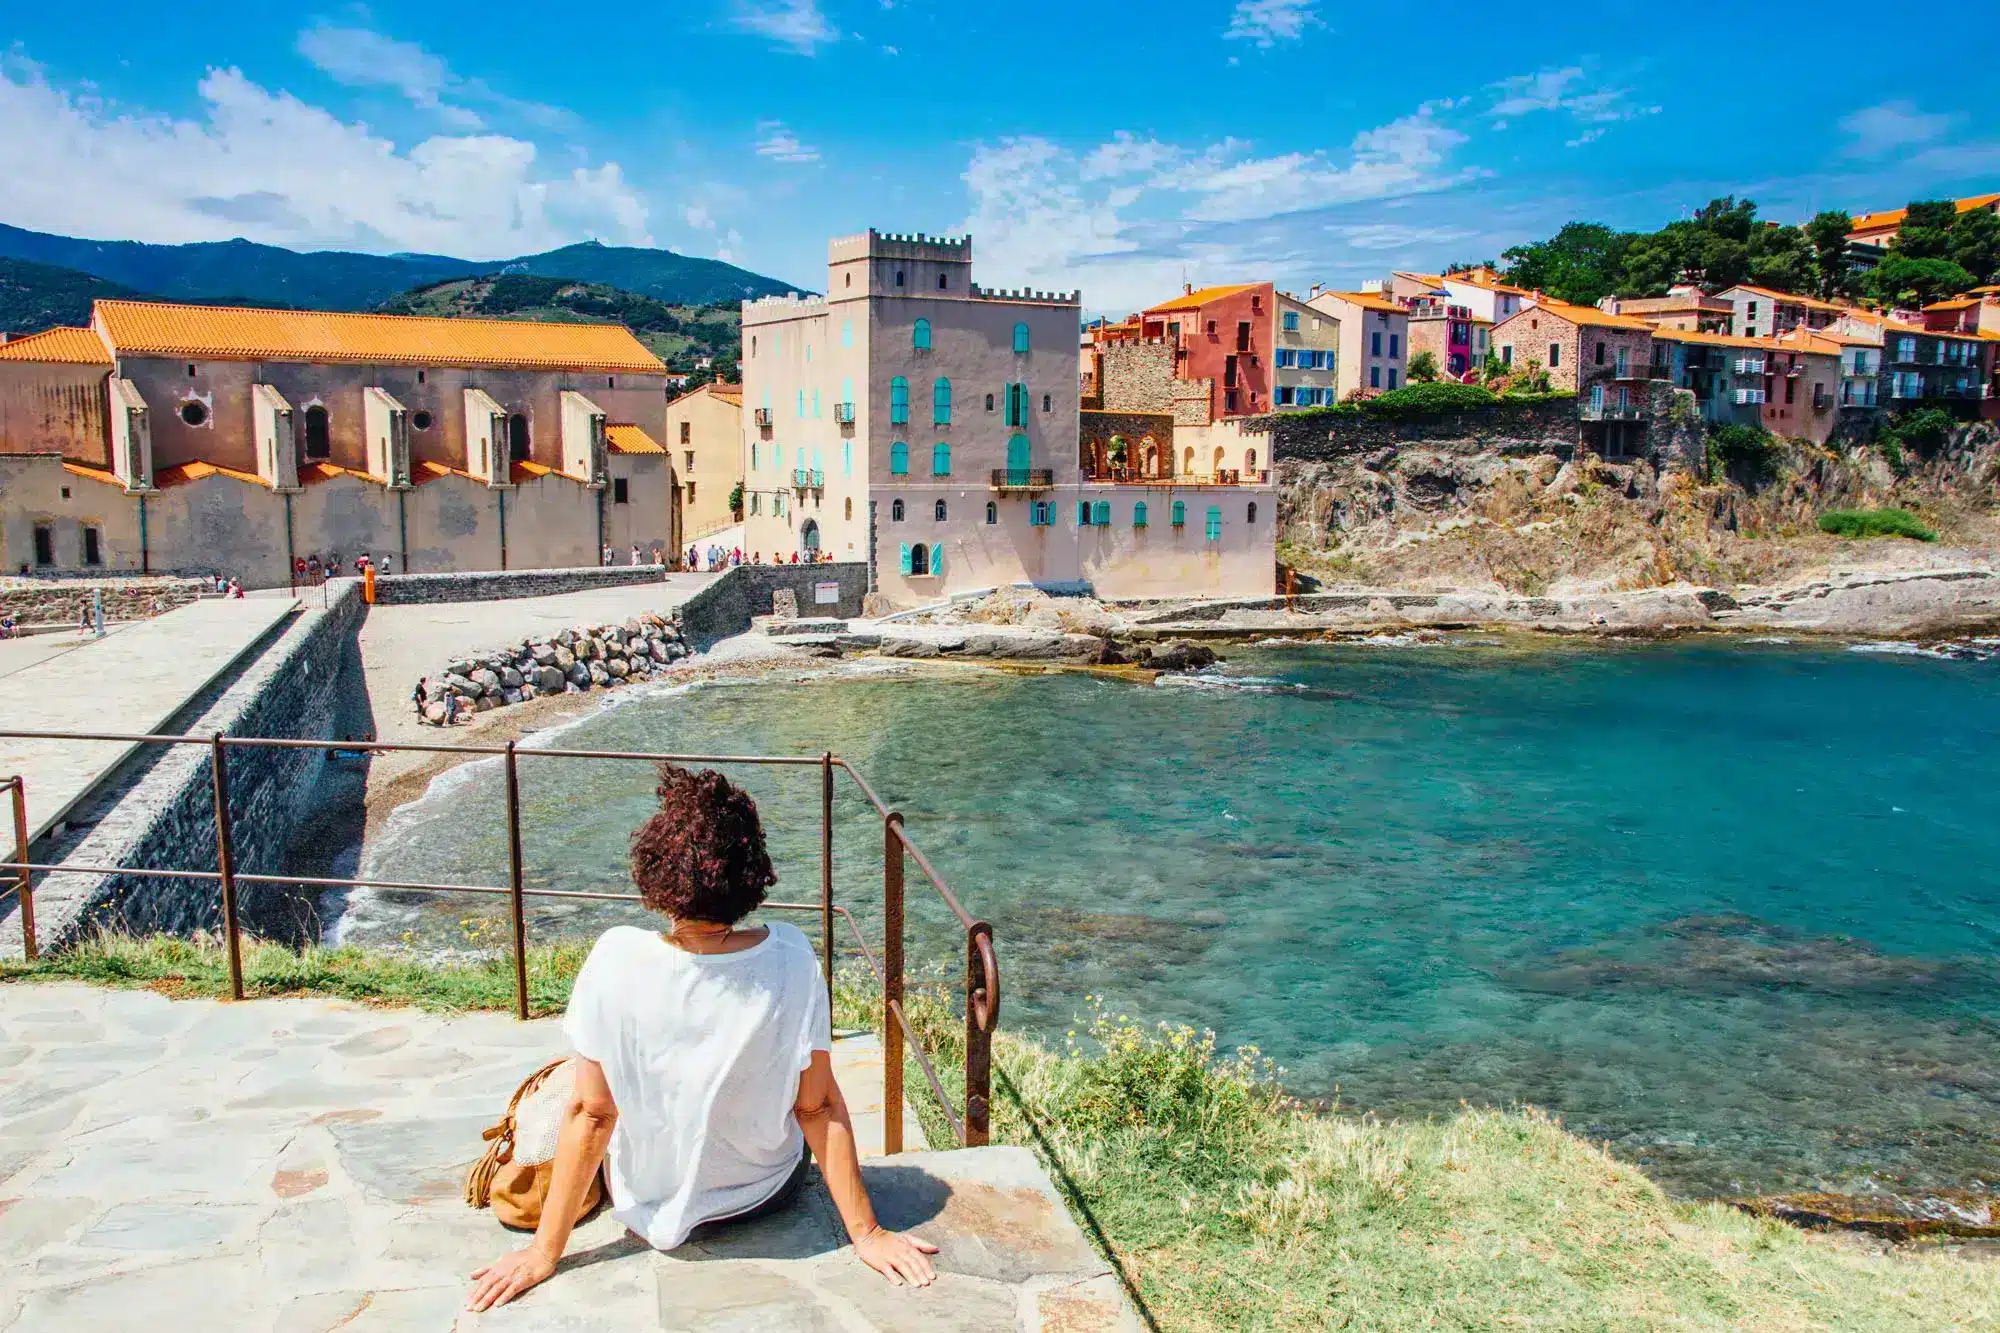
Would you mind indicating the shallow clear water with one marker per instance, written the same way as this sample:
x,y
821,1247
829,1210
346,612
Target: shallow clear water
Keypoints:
x,y
1731,907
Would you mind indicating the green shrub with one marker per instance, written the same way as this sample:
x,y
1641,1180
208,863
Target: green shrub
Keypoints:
x,y
1745,452
1926,430
1892,450
1417,399
1423,368
1875,523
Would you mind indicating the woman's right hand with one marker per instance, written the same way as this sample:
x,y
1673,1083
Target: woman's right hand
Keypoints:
x,y
903,1259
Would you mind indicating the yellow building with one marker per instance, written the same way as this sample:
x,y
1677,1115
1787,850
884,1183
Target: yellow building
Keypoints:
x,y
705,435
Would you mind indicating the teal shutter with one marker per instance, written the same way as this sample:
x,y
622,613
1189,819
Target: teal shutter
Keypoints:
x,y
906,559
1180,513
1139,514
899,459
1018,455
937,558
1214,523
941,401
941,459
1100,514
920,336
1020,337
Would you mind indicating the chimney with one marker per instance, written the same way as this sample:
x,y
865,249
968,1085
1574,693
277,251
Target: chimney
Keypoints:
x,y
1187,289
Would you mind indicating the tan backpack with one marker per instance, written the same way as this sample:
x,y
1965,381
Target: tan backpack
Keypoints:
x,y
513,1177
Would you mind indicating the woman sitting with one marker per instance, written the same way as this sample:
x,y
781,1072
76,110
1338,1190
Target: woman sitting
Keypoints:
x,y
703,1058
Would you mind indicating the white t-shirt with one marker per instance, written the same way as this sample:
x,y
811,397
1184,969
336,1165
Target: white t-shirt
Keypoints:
x,y
703,1053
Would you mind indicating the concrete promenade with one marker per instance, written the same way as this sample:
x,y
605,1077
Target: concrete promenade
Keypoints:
x,y
133,680
295,1166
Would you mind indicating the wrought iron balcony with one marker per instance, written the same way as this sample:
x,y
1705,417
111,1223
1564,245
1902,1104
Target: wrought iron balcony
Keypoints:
x,y
808,478
1611,412
764,416
1023,479
844,413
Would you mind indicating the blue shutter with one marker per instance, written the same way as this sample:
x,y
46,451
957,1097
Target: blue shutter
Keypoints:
x,y
1214,523
1020,337
899,459
1100,514
906,559
1139,514
941,401
941,459
937,558
1180,513
920,336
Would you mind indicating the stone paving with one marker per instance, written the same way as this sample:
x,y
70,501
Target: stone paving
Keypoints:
x,y
295,1166
132,681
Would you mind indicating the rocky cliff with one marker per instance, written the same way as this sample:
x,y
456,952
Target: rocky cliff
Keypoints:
x,y
1468,514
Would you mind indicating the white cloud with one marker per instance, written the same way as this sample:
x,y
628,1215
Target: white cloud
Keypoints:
x,y
1384,236
1875,130
781,145
362,58
797,24
1588,136
1127,218
1268,22
272,168
1563,90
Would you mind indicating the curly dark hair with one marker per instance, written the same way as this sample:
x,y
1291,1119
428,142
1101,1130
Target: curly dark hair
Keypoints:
x,y
702,857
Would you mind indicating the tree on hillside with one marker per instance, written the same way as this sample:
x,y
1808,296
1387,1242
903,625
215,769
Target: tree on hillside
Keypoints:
x,y
1580,264
1975,245
1423,368
1902,280
1827,232
1926,229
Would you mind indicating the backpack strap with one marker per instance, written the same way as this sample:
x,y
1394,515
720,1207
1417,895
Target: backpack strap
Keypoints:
x,y
479,1181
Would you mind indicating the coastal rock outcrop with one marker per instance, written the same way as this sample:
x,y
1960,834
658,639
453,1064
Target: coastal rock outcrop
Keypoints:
x,y
570,661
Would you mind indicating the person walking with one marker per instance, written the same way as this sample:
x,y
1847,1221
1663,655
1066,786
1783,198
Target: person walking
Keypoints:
x,y
635,554
606,554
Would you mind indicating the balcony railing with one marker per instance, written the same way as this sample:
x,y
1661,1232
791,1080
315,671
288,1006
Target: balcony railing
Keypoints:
x,y
1611,412
1747,397
1023,479
1749,365
1125,476
808,478
844,413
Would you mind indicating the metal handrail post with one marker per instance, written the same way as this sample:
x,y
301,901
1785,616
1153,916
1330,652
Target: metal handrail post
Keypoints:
x,y
892,983
225,863
826,872
24,889
516,906
979,1016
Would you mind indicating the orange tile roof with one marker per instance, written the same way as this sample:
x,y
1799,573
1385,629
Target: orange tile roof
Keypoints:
x,y
180,474
424,470
1583,315
1714,339
75,347
84,470
224,333
1486,279
728,393
628,439
1791,298
1893,217
523,470
1962,303
1810,340
1429,279
1194,300
1366,300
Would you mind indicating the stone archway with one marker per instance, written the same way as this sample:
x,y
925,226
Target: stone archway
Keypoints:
x,y
809,539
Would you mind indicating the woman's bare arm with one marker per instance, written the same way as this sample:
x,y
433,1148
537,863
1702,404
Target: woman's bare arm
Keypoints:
x,y
822,1114
586,1133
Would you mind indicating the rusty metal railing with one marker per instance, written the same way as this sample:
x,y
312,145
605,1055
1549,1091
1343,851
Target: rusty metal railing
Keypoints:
x,y
982,968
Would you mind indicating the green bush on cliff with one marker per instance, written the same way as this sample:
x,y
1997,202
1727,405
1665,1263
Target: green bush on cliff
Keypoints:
x,y
1748,453
1419,399
1875,523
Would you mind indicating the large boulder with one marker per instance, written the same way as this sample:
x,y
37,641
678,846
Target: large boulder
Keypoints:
x,y
617,667
614,635
549,680
1180,655
510,696
564,659
486,703
636,648
462,687
598,674
578,675
434,690
463,667
434,713
543,653
510,678
486,678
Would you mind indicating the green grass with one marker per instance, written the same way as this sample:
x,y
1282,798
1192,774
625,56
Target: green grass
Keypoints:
x,y
1228,1205
1875,523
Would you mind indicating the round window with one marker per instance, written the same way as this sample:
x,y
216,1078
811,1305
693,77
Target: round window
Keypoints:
x,y
420,420
194,412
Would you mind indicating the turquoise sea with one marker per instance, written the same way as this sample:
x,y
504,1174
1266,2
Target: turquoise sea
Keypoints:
x,y
1732,907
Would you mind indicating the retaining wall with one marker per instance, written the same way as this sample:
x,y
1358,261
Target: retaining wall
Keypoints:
x,y
1538,427
60,599
726,606
167,819
498,585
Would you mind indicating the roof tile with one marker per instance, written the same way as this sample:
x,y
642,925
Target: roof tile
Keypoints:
x,y
68,346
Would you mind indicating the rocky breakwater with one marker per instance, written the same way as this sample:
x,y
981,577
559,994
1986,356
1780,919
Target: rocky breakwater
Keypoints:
x,y
572,661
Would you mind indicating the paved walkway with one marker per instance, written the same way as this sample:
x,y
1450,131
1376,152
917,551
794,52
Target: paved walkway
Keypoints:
x,y
294,1166
130,681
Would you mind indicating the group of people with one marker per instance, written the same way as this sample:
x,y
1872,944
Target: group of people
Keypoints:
x,y
312,569
711,558
658,555
224,587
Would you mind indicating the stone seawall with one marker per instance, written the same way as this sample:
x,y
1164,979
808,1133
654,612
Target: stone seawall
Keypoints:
x,y
53,600
167,819
727,606
499,585
1548,426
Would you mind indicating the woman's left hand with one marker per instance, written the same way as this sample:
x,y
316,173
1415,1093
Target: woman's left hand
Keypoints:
x,y
509,1276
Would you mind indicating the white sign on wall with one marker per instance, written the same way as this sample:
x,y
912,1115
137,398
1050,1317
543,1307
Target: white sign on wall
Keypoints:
x,y
826,594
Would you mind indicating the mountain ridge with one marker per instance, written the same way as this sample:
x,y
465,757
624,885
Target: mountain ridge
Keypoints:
x,y
240,271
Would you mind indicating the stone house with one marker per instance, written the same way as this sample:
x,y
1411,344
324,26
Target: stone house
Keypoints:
x,y
1685,308
1605,359
704,433
1224,335
1760,312
203,438
932,427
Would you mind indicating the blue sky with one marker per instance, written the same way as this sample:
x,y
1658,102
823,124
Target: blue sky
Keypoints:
x,y
1116,148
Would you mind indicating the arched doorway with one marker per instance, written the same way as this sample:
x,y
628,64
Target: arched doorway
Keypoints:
x,y
809,540
517,438
1152,449
1218,459
319,439
1187,461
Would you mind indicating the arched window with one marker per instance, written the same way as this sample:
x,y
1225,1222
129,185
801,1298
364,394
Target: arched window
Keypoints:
x,y
847,333
1083,513
920,336
896,511
1020,337
941,459
992,513
899,460
1252,516
850,506
899,277
989,402
1139,514
1180,511
899,401
319,439
517,436
938,511
1018,458
753,344
1187,463
920,559
942,282
1214,523
1100,514
941,402
1249,460
1045,402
